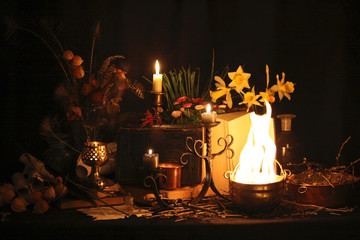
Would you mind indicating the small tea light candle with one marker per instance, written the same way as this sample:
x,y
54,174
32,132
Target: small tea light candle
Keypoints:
x,y
208,116
157,79
150,160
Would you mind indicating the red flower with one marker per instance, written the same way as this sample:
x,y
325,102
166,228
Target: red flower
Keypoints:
x,y
197,100
151,119
181,99
187,105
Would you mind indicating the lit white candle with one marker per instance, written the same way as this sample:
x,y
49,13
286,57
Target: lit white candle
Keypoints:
x,y
208,116
157,79
150,160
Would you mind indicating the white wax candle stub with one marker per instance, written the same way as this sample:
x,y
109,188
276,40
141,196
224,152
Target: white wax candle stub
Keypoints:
x,y
150,160
208,116
157,79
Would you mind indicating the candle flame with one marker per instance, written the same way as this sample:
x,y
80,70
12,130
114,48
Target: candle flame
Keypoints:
x,y
157,67
150,151
208,108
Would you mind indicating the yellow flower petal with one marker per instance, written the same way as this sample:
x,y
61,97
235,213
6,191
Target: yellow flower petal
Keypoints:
x,y
217,94
289,87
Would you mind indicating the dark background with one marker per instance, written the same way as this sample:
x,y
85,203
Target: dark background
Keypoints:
x,y
316,43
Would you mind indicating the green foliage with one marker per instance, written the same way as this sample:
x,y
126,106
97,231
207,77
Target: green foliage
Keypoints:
x,y
179,83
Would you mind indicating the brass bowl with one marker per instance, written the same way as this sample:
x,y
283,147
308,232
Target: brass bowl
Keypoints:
x,y
256,197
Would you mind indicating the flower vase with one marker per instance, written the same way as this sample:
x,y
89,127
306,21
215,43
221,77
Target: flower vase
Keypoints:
x,y
92,122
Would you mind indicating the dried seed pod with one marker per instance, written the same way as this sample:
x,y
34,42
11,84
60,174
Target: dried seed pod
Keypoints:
x,y
58,180
9,186
76,61
48,193
68,55
61,190
40,207
20,184
34,197
86,89
93,82
78,72
7,194
97,96
19,204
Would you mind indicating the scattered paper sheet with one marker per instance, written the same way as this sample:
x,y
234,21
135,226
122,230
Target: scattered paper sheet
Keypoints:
x,y
114,212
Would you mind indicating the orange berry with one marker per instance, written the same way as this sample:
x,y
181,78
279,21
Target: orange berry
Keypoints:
x,y
68,55
76,61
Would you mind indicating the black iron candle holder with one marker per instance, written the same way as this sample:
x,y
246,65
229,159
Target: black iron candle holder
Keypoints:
x,y
152,177
208,157
151,180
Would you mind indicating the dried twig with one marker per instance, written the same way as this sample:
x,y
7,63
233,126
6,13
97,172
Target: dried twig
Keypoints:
x,y
327,180
351,164
319,208
338,156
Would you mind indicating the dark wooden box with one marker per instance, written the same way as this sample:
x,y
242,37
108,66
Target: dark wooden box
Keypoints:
x,y
166,140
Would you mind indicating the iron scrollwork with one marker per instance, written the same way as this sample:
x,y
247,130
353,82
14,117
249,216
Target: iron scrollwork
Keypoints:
x,y
192,148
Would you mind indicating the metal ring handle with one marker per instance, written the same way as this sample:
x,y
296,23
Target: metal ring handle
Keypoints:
x,y
227,174
287,172
302,189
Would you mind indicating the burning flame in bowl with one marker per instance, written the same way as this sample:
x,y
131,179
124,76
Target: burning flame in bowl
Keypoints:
x,y
257,163
254,183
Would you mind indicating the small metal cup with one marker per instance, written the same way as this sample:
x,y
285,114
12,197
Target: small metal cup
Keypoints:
x,y
172,173
95,155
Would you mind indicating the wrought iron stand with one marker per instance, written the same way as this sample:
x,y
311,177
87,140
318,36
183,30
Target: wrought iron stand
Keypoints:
x,y
208,157
192,147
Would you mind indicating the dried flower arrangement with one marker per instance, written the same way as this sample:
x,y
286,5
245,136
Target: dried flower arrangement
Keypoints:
x,y
89,100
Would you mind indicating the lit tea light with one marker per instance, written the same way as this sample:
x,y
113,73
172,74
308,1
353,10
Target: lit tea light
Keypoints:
x,y
150,160
157,79
208,116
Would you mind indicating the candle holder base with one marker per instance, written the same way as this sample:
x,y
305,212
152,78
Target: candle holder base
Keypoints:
x,y
158,101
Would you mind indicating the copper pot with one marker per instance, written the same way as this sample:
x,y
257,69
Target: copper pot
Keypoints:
x,y
172,173
328,196
256,197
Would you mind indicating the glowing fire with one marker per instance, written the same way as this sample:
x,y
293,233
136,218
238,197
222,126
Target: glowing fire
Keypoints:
x,y
257,159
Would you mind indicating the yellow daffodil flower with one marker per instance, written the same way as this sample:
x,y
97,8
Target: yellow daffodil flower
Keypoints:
x,y
268,96
250,99
240,79
283,88
221,91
